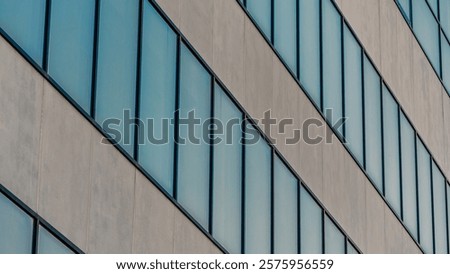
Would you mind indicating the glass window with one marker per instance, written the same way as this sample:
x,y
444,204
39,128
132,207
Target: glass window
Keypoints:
x,y
353,95
158,85
24,22
408,148
48,244
261,11
193,153
285,209
16,229
440,211
309,13
116,81
427,31
405,7
446,62
434,6
351,249
310,224
332,63
391,151
257,195
334,239
285,31
372,105
70,48
425,203
445,15
227,173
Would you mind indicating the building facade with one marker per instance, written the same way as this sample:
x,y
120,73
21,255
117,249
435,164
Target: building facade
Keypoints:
x,y
225,126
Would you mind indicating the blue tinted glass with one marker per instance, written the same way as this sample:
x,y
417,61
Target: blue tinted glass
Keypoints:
x,y
310,224
351,249
445,15
24,22
116,82
446,62
309,13
16,229
334,239
257,196
408,148
261,12
332,62
440,211
406,7
285,209
193,155
285,31
70,49
427,31
372,103
48,244
391,151
227,173
353,95
425,205
434,6
158,81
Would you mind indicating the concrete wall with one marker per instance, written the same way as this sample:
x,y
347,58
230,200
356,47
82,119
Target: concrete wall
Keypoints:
x,y
246,64
405,68
52,159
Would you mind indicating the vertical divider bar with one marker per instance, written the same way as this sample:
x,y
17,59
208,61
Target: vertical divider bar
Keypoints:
x,y
323,231
400,160
321,104
272,202
417,188
48,11
344,128
211,158
272,22
243,126
363,92
447,216
297,29
35,244
95,58
432,205
382,138
137,114
299,240
176,118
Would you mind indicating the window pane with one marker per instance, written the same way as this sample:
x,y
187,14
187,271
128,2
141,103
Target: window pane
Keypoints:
x,y
446,62
285,31
391,151
372,97
309,12
351,249
158,84
285,207
193,155
353,96
311,224
227,174
434,6
427,31
117,56
70,49
48,244
260,10
440,214
445,15
24,22
16,229
332,62
406,7
408,148
334,239
257,195
425,210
